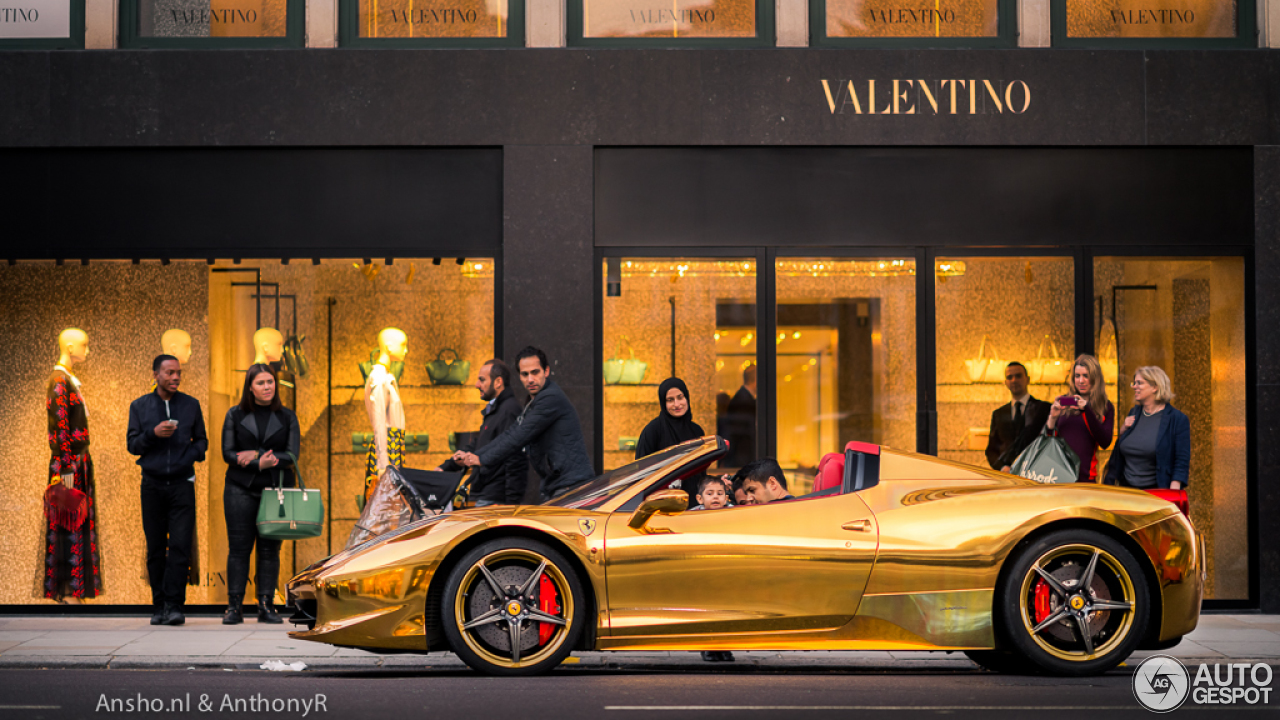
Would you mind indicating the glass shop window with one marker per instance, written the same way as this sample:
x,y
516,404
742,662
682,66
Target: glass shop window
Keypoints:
x,y
846,358
318,324
45,24
690,318
990,312
682,22
474,23
1152,22
1187,316
212,23
961,23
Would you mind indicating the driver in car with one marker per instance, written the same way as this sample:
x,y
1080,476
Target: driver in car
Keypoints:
x,y
763,482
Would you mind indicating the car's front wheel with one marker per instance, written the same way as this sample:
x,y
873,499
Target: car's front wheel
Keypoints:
x,y
513,606
1074,603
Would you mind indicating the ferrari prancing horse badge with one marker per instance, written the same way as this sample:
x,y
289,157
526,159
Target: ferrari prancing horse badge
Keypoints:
x,y
587,525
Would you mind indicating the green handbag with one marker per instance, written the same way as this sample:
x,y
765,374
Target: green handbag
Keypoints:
x,y
454,372
290,513
618,371
417,442
396,369
361,441
627,443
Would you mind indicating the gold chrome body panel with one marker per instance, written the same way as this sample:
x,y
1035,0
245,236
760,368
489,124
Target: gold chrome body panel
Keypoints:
x,y
910,563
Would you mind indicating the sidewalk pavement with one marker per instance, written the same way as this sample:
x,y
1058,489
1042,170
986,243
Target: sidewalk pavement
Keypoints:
x,y
30,641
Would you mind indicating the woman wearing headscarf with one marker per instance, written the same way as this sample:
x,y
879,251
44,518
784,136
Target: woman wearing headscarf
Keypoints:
x,y
674,423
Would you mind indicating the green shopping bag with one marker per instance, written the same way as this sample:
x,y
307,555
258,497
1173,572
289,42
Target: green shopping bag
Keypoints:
x,y
1048,459
290,513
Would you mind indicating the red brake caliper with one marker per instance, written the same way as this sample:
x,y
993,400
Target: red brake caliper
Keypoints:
x,y
549,603
1042,601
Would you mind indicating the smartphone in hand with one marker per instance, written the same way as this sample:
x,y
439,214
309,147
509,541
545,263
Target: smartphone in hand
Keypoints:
x,y
1067,401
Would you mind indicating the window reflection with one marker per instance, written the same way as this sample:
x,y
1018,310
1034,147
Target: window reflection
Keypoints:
x,y
676,19
1149,19
892,18
1187,317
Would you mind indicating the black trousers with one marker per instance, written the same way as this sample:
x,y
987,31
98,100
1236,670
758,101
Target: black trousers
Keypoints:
x,y
168,520
240,507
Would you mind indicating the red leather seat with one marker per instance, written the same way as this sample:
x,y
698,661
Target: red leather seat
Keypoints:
x,y
830,472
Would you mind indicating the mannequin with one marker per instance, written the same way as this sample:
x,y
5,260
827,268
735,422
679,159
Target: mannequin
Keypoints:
x,y
177,343
268,346
72,568
382,403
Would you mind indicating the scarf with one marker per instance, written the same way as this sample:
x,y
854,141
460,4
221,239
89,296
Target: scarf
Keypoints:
x,y
675,430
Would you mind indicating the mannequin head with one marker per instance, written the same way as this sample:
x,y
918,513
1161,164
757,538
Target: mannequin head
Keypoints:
x,y
177,343
73,346
268,346
393,345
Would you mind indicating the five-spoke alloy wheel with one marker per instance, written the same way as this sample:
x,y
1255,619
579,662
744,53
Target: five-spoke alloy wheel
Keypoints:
x,y
512,606
1074,602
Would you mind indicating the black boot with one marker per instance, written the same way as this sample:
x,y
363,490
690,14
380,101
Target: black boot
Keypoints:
x,y
157,614
172,615
266,612
234,614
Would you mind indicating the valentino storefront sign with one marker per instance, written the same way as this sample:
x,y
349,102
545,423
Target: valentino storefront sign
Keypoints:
x,y
899,96
36,19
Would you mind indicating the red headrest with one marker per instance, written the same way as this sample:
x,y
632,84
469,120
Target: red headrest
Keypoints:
x,y
830,472
862,447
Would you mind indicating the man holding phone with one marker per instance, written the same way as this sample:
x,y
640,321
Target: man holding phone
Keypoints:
x,y
166,432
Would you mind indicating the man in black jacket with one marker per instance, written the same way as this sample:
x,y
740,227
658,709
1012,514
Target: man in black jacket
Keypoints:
x,y
504,483
166,431
548,426
1016,423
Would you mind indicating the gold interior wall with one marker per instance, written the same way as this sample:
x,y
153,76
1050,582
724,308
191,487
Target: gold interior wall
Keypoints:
x,y
642,315
1152,18
1014,303
892,18
124,309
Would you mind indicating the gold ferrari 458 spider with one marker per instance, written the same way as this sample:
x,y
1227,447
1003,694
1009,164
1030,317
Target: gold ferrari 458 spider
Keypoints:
x,y
904,552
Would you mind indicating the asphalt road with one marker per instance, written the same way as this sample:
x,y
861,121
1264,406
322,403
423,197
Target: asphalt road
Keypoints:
x,y
608,693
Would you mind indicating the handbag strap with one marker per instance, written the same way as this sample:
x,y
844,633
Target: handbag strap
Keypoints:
x,y
440,355
296,472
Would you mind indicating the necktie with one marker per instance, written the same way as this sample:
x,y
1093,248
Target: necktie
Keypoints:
x,y
1018,419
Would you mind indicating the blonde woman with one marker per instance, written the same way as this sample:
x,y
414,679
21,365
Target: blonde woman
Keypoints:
x,y
1084,417
1154,449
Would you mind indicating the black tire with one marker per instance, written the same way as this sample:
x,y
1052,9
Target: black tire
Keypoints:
x,y
491,618
1074,632
1002,662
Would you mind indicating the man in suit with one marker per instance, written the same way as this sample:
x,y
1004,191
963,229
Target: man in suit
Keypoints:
x,y
504,483
1016,423
740,422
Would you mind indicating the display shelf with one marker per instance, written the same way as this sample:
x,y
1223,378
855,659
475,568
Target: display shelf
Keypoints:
x,y
630,394
414,395
990,392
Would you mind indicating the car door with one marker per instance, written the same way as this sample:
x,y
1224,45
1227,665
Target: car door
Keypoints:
x,y
786,566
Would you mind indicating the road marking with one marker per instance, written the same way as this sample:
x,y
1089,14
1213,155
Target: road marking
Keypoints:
x,y
30,707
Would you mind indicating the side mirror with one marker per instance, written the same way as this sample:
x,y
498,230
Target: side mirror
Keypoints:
x,y
665,502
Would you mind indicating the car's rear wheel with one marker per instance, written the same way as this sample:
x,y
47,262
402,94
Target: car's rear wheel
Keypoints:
x,y
513,606
1074,603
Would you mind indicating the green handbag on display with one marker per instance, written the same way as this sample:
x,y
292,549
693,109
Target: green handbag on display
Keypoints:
x,y
454,372
396,369
290,513
627,443
618,371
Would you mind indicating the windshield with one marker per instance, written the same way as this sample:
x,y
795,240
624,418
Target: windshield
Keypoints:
x,y
597,492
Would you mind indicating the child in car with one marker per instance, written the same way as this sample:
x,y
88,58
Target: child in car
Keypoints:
x,y
713,494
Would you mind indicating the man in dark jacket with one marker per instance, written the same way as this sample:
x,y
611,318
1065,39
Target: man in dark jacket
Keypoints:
x,y
1016,423
502,484
548,426
166,431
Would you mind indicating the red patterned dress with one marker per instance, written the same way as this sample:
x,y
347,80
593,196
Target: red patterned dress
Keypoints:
x,y
72,566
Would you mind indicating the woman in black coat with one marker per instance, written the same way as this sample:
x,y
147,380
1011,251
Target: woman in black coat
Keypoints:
x,y
674,423
256,435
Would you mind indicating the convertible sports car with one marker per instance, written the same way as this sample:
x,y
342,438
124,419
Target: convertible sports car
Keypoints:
x,y
904,552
